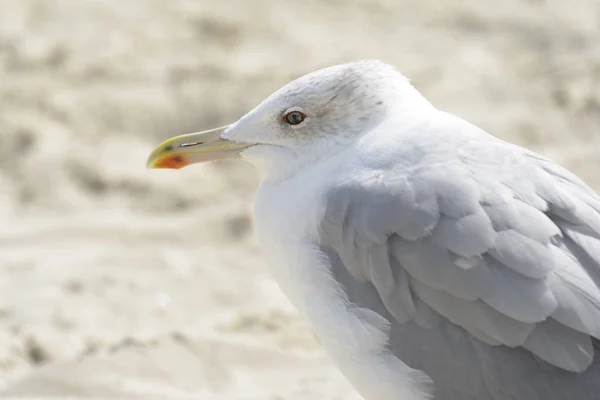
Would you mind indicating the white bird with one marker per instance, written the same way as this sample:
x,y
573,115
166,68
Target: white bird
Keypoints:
x,y
432,259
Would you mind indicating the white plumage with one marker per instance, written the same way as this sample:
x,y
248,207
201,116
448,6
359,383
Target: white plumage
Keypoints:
x,y
431,258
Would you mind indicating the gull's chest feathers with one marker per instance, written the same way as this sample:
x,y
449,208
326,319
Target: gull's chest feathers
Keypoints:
x,y
288,215
291,210
288,210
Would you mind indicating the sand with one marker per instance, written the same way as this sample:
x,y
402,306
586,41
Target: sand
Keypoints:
x,y
116,281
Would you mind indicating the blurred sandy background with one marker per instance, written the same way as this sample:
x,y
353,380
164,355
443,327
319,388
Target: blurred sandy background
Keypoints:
x,y
119,281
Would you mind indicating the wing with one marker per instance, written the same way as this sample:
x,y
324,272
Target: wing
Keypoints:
x,y
496,239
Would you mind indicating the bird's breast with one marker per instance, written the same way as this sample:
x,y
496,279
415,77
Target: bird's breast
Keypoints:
x,y
287,211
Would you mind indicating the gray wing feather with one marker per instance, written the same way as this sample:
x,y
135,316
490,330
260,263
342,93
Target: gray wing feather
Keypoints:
x,y
561,346
474,315
456,198
588,241
577,295
524,255
433,264
523,218
512,258
467,236
515,295
380,271
400,302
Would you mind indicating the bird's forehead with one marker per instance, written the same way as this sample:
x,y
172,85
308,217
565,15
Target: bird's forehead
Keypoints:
x,y
318,83
355,78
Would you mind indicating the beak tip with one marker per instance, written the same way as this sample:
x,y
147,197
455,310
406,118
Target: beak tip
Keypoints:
x,y
151,163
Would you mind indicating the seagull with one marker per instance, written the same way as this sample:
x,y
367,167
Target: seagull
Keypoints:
x,y
432,259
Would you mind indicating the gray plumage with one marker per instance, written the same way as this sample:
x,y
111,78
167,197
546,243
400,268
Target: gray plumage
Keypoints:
x,y
485,258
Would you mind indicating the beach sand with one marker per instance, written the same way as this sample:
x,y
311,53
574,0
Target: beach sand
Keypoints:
x,y
117,281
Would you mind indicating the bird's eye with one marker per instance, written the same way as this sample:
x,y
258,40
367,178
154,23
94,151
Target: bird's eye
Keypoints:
x,y
294,117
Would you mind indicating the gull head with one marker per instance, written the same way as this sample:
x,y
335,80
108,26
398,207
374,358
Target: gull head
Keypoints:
x,y
309,119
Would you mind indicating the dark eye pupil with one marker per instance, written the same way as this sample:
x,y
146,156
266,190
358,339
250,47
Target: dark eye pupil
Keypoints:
x,y
294,118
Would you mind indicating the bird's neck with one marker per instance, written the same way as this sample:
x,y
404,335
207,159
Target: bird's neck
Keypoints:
x,y
278,164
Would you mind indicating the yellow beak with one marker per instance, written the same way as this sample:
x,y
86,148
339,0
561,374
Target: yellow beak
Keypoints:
x,y
184,150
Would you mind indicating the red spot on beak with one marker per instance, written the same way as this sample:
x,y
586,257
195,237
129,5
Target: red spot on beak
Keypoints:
x,y
173,161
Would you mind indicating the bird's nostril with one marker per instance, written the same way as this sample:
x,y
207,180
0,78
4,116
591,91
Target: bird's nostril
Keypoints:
x,y
191,144
168,148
